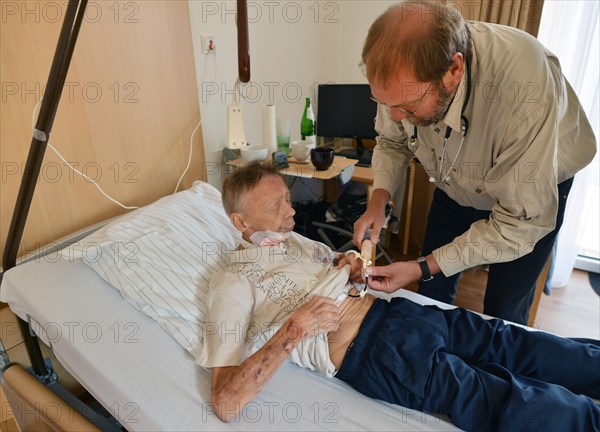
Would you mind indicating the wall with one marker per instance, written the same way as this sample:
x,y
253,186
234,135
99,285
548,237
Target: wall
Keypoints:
x,y
293,46
356,18
125,117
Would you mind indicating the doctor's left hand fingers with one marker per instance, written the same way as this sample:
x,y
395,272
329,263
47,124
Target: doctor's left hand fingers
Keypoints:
x,y
386,278
378,283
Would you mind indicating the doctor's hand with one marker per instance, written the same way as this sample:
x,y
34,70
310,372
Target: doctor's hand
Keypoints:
x,y
373,218
392,277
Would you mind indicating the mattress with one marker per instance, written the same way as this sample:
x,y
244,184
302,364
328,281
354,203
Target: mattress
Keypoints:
x,y
148,382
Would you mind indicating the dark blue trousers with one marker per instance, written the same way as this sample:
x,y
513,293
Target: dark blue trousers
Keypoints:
x,y
484,375
511,285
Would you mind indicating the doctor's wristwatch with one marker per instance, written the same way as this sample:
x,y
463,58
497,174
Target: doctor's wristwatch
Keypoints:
x,y
424,269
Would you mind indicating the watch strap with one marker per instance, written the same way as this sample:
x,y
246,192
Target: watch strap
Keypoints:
x,y
424,269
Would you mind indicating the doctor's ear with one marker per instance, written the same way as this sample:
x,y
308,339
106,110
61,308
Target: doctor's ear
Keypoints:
x,y
455,72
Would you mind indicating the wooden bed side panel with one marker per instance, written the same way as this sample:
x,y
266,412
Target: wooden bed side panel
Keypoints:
x,y
125,118
36,408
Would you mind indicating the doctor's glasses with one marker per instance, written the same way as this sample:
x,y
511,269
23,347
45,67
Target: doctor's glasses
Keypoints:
x,y
404,110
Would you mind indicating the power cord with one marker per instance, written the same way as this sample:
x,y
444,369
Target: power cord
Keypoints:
x,y
214,54
95,183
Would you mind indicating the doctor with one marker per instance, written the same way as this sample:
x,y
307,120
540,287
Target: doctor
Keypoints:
x,y
488,113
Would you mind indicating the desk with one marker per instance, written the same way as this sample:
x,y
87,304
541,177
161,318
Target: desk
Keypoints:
x,y
364,175
307,170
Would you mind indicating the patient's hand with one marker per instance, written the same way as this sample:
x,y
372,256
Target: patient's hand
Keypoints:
x,y
319,315
356,266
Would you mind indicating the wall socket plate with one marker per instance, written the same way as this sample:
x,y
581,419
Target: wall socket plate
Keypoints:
x,y
206,41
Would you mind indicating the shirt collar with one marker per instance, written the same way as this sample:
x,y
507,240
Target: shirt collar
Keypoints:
x,y
248,252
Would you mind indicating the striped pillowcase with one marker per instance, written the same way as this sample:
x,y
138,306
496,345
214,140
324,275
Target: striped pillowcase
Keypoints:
x,y
161,258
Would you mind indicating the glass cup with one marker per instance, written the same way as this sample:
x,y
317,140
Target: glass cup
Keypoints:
x,y
283,135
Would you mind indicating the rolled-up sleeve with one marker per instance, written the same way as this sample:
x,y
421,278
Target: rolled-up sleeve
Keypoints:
x,y
522,181
229,311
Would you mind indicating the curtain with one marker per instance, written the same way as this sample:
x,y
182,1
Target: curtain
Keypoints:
x,y
522,14
571,29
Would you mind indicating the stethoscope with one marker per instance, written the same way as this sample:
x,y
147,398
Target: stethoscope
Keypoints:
x,y
464,127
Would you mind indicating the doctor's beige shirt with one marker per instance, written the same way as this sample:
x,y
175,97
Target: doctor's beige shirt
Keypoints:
x,y
527,133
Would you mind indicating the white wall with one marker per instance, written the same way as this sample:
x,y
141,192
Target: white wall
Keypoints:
x,y
356,18
293,46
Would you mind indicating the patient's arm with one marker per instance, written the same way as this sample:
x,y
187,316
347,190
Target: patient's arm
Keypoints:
x,y
233,387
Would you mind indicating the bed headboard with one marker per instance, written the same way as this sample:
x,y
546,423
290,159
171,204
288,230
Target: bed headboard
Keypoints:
x,y
128,109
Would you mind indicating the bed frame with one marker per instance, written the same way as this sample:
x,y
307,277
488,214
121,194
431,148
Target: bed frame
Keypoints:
x,y
23,389
41,133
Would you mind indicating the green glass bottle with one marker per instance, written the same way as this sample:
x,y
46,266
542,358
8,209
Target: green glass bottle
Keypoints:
x,y
308,126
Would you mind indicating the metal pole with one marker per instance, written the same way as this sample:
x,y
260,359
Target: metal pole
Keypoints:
x,y
56,80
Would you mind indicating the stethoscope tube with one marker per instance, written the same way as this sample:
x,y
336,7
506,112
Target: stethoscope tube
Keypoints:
x,y
412,143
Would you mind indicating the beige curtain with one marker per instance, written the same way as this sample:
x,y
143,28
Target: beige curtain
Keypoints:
x,y
522,14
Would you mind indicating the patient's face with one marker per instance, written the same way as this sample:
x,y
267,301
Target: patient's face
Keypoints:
x,y
268,207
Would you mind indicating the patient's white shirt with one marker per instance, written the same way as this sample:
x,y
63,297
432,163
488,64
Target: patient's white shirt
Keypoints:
x,y
258,291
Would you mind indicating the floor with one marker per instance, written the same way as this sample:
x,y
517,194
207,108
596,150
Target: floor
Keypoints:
x,y
571,311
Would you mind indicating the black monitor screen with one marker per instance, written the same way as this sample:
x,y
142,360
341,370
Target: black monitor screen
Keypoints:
x,y
345,111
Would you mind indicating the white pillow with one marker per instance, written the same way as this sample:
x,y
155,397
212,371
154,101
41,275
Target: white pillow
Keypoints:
x,y
161,258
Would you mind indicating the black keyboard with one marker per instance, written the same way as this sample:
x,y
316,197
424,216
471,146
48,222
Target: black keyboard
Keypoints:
x,y
364,159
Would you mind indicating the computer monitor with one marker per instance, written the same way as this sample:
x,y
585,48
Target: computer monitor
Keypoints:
x,y
347,111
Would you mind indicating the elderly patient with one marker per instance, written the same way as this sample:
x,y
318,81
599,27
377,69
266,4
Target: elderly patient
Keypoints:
x,y
284,296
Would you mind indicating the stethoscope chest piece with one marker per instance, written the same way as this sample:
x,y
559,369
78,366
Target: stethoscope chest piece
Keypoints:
x,y
413,143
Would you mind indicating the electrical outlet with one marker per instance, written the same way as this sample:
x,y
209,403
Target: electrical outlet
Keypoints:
x,y
208,44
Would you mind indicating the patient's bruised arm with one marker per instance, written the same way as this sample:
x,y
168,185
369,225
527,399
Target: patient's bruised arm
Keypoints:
x,y
233,387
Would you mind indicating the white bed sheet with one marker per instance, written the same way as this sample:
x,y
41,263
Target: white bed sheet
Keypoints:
x,y
147,381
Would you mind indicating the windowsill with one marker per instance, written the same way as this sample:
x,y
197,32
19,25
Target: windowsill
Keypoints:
x,y
588,264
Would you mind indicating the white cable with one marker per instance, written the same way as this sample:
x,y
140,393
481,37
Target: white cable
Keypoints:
x,y
190,156
90,180
195,130
94,182
75,169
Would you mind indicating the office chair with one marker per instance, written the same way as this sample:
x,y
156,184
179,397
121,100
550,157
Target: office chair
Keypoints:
x,y
339,223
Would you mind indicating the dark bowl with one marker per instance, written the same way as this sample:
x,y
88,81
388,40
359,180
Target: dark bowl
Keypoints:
x,y
322,157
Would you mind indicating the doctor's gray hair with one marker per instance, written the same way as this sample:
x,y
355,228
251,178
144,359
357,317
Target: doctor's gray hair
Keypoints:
x,y
241,181
418,36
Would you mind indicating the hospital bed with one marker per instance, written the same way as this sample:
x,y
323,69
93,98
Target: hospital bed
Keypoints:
x,y
133,351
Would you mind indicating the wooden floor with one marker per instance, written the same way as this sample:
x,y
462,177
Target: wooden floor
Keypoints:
x,y
572,311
